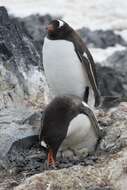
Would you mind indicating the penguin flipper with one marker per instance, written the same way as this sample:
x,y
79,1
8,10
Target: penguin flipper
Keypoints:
x,y
87,111
90,68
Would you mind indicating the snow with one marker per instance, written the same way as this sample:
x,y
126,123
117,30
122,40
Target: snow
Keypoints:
x,y
100,55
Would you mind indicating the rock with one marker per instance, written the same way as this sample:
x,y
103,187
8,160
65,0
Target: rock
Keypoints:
x,y
117,61
34,27
20,62
107,170
17,131
100,38
116,133
22,89
107,174
115,68
77,179
23,93
110,81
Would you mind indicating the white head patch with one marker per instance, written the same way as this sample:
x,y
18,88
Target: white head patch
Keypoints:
x,y
61,23
43,144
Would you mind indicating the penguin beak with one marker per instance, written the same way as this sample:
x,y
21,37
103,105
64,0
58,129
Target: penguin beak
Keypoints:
x,y
50,28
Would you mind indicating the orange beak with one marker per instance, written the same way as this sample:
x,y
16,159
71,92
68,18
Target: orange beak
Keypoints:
x,y
50,28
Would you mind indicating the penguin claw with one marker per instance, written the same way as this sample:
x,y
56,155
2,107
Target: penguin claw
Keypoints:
x,y
49,166
50,163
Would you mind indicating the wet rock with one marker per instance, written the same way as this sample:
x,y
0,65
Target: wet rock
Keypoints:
x,y
100,38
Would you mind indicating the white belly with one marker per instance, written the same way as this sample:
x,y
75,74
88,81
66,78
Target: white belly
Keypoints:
x,y
81,135
64,72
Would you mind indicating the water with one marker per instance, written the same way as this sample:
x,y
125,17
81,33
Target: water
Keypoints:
x,y
94,14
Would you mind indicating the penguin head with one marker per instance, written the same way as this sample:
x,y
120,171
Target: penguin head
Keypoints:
x,y
58,29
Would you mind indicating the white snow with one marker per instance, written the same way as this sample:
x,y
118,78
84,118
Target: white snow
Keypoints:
x,y
100,55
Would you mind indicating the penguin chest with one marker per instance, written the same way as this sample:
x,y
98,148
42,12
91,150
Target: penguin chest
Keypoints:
x,y
80,135
65,73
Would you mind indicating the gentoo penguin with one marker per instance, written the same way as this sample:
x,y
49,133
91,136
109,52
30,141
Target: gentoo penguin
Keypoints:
x,y
68,123
68,64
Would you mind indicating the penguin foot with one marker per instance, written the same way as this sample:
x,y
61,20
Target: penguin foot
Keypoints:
x,y
50,163
51,160
46,166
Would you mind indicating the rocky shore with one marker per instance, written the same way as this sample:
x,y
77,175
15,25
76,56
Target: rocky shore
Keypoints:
x,y
23,96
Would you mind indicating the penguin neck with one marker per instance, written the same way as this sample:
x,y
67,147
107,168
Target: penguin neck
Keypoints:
x,y
67,35
73,37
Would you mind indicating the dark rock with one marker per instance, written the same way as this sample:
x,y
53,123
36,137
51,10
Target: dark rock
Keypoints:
x,y
22,84
19,62
116,134
28,158
118,61
15,130
100,38
34,27
113,76
110,81
3,16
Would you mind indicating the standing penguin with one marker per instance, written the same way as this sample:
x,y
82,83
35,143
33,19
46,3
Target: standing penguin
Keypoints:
x,y
68,123
68,64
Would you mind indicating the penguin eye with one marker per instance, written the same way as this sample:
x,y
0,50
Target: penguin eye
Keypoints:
x,y
61,23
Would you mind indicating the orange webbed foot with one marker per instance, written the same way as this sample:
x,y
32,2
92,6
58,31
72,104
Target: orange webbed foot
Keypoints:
x,y
51,160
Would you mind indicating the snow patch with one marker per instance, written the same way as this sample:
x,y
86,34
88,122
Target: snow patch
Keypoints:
x,y
101,55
